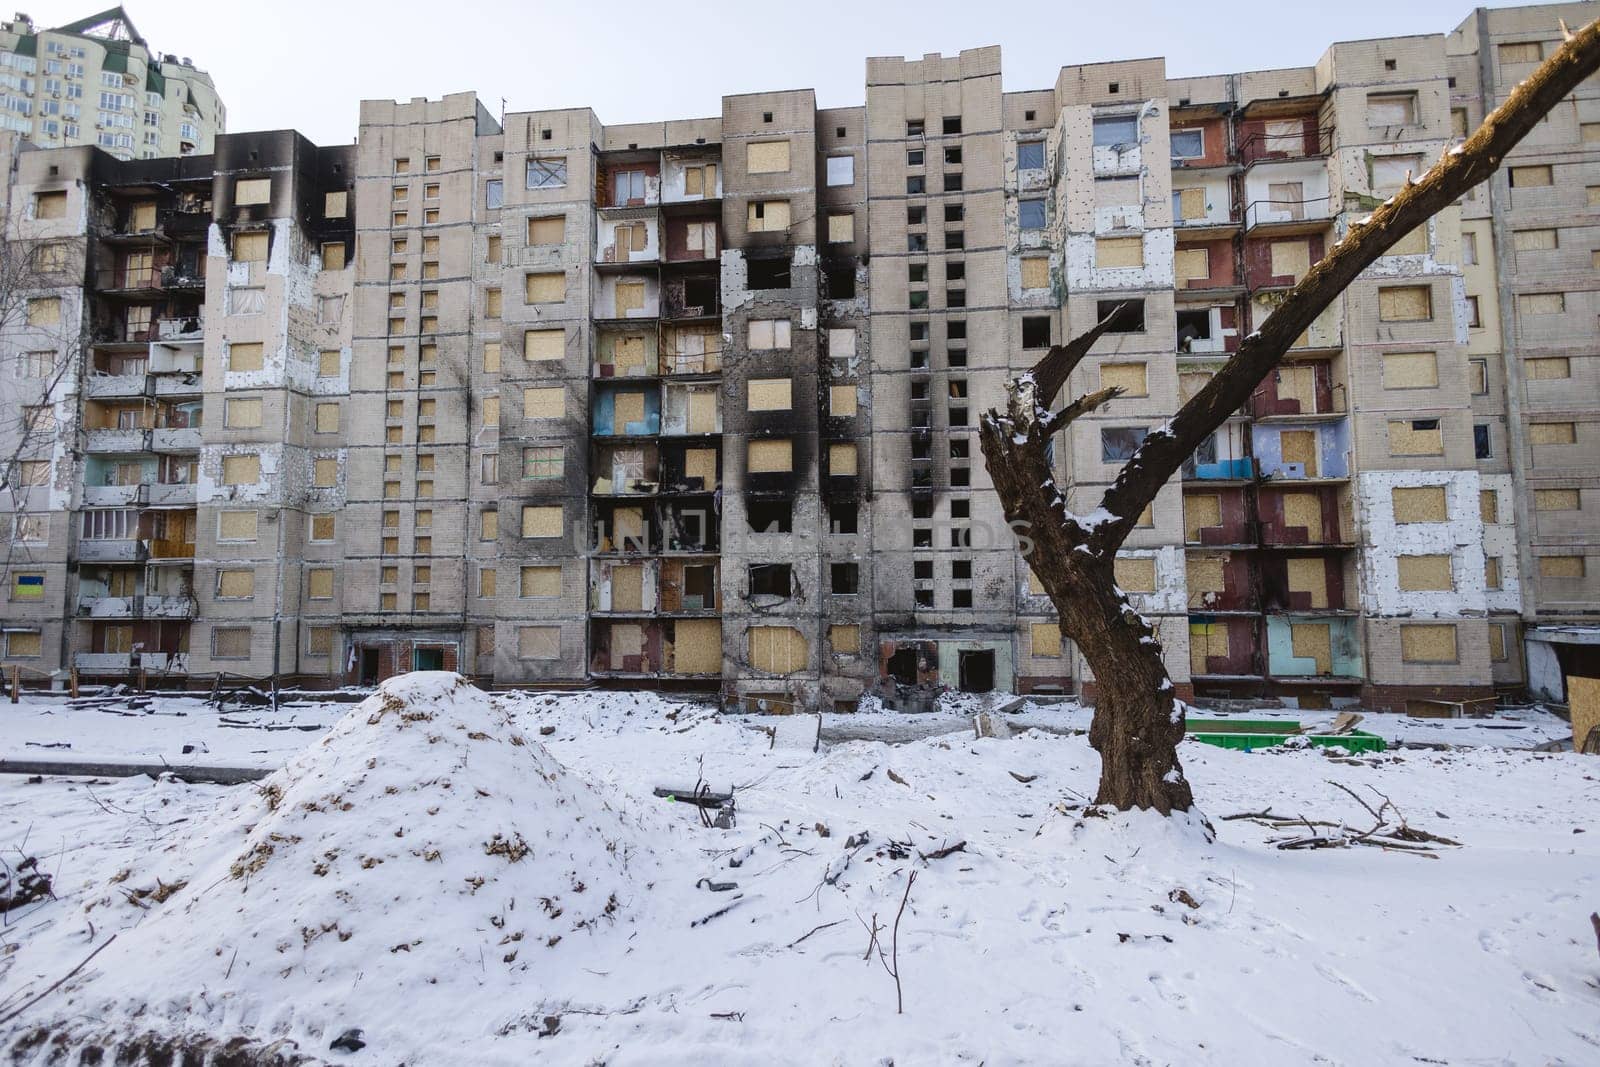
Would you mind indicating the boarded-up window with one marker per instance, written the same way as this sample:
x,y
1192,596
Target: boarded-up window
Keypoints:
x,y
1206,639
1389,173
628,352
335,205
1200,511
236,583
1129,377
1192,203
1414,243
1489,506
766,216
630,297
768,457
252,191
541,581
1136,574
1589,132
845,640
767,334
1303,510
1300,447
246,356
543,345
841,459
1191,382
491,303
242,412
777,649
1497,642
44,311
701,463
1561,566
325,472
333,255
1556,500
322,527
841,229
1545,368
548,230
1035,586
327,418
1309,575
1312,641
547,288
544,402
319,641
52,205
1427,643
1422,503
1036,272
627,587
1534,240
541,520
319,583
1521,52
1425,573
328,363
767,157
1552,433
491,411
236,526
1415,437
1044,639
539,642
841,400
1410,370
769,394
1391,109
1491,572
1189,264
1206,574
1292,258
22,644
241,470
230,642
1119,252
626,409
1533,176
250,247
1542,303
1405,303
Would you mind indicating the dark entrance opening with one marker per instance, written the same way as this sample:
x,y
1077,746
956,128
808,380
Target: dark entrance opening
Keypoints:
x,y
369,666
903,666
977,671
699,588
427,659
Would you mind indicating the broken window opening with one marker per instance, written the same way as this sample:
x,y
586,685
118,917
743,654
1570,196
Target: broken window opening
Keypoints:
x,y
769,273
841,281
1119,443
1129,318
844,578
1036,331
1193,326
771,579
769,515
845,516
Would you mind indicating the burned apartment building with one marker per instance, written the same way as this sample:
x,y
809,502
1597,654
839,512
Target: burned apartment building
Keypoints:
x,y
693,403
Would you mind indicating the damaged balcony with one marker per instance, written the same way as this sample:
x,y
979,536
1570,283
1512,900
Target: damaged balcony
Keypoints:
x,y
1303,451
1221,457
627,352
1207,329
1299,389
1221,582
1311,515
690,409
1205,268
628,237
1309,581
1278,131
627,297
650,648
1313,649
1286,214
692,297
626,410
1218,515
1224,650
691,348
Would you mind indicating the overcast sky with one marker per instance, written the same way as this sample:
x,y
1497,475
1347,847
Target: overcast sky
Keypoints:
x,y
306,65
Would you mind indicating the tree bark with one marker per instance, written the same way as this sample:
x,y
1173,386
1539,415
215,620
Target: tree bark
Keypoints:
x,y
1138,721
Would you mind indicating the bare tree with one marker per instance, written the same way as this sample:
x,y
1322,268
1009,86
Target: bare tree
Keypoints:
x,y
1138,721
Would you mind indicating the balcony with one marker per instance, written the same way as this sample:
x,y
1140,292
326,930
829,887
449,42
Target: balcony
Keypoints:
x,y
178,385
115,496
115,386
121,550
1285,140
175,439
185,328
118,440
175,495
103,662
96,606
167,549
1283,217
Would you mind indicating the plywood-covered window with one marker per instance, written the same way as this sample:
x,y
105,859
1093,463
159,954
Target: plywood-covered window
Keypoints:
x,y
327,418
1044,640
242,412
842,459
237,525
50,205
1312,641
541,520
325,472
1119,252
1420,503
1491,573
841,229
768,334
771,456
44,311
335,205
1129,377
1291,258
252,191
543,461
241,470
250,247
777,649
1136,574
489,524
1190,264
1542,303
1557,500
1410,370
321,528
544,345
549,287
1489,506
842,400
333,255
319,583
767,157
1547,368
1562,566
236,583
1036,272
1391,109
768,216
845,639
1201,511
544,402
1415,437
769,394
328,363
1414,243
543,580
24,644
1191,203
630,297
539,642
1533,176
1427,573
1521,52
1552,433
1427,643
1405,303
1300,447
230,642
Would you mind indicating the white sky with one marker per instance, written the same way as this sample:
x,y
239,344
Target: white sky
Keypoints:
x,y
307,65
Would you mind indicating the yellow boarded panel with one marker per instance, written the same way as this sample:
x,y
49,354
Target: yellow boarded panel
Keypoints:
x,y
327,418
539,642
1308,574
768,215
1491,572
1561,566
1206,574
1300,446
767,157
1045,640
627,525
630,297
1489,506
1206,640
1291,258
1406,441
846,640
841,229
1191,382
1583,703
542,581
548,288
544,402
1555,500
1533,240
250,247
1542,303
1200,511
1147,517
1119,252
245,356
842,459
241,470
236,583
770,394
1427,643
1547,367
778,649
252,191
628,407
547,231
1036,272
1405,303
1414,243
1129,376
767,457
1530,176
237,526
1410,370
325,472
628,352
702,411
1035,586
1313,641
1425,573
1299,383
541,345
841,400
627,588
319,582
1497,642
1136,574
541,521
1552,433
1422,503
1191,263
242,412
701,463
1192,203
1303,509
697,646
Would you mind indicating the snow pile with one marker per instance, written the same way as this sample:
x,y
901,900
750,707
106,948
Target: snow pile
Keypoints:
x,y
424,855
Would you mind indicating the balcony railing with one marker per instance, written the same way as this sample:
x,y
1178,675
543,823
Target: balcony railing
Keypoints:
x,y
1263,146
1283,212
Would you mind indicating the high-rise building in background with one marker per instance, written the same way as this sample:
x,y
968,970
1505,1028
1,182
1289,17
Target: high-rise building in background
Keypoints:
x,y
694,403
97,82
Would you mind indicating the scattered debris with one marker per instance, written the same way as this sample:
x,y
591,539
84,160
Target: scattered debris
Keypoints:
x,y
349,1041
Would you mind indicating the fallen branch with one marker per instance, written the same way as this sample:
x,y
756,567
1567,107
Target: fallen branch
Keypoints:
x,y
813,930
941,853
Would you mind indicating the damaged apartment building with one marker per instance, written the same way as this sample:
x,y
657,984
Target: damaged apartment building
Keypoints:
x,y
693,403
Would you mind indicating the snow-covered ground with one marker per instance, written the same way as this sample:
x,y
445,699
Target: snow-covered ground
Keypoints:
x,y
490,880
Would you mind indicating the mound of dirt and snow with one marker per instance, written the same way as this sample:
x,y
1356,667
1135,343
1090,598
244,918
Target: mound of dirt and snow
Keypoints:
x,y
425,843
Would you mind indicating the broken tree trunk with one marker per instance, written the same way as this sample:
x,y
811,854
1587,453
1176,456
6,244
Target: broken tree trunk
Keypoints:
x,y
1138,722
